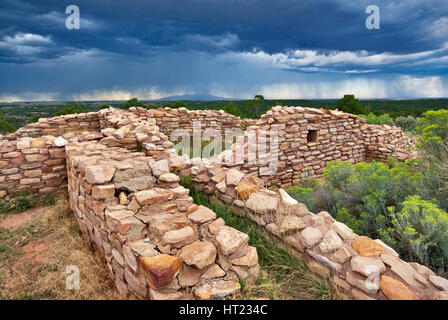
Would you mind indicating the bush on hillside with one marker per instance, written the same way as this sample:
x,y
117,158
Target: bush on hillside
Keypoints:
x,y
73,109
408,124
420,231
133,102
349,104
231,108
5,126
381,119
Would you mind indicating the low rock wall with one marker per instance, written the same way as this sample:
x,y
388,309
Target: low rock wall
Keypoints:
x,y
362,268
156,243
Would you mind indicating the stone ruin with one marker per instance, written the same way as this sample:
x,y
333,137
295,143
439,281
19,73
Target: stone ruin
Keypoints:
x,y
122,175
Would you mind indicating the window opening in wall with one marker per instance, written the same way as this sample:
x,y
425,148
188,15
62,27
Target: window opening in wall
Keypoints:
x,y
312,136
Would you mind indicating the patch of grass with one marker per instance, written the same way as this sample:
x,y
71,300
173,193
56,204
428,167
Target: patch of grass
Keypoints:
x,y
23,201
204,144
21,277
283,274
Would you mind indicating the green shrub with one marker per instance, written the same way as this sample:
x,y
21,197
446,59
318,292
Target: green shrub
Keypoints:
x,y
231,108
421,232
303,195
433,149
5,126
350,220
434,127
180,104
34,119
337,172
349,104
23,201
381,119
19,203
393,204
325,198
408,123
73,109
133,102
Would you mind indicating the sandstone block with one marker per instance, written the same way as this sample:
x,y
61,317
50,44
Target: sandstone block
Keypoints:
x,y
439,282
367,247
215,271
160,270
331,242
368,285
103,192
234,177
396,290
261,203
249,260
152,196
200,254
367,266
159,167
179,236
230,239
202,215
311,236
189,276
343,231
99,174
245,190
291,224
216,225
217,289
169,178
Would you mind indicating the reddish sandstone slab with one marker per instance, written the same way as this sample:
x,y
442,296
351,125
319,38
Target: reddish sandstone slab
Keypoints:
x,y
160,270
367,247
396,290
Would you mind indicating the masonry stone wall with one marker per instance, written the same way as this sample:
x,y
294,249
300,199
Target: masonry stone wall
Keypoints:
x,y
31,163
306,139
33,157
361,268
168,119
58,126
156,243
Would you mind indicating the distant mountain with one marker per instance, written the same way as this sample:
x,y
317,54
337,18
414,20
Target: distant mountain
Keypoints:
x,y
194,97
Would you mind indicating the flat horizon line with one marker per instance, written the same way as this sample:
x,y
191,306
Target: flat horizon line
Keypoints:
x,y
228,99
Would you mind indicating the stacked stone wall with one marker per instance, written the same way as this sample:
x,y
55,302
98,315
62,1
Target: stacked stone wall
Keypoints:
x,y
58,126
33,157
168,119
361,268
155,242
306,139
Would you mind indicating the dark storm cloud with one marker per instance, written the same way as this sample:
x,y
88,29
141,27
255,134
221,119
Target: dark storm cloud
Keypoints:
x,y
204,44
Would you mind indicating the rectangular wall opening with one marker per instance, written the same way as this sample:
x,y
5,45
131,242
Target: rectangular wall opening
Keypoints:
x,y
311,136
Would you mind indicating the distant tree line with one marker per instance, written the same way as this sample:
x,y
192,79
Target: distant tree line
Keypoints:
x,y
403,113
